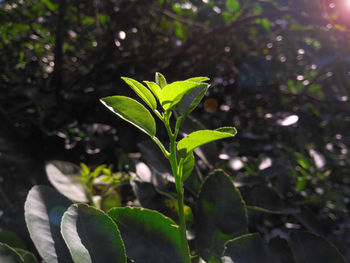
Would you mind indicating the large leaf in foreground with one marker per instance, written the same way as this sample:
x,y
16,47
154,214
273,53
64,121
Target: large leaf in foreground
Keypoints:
x,y
221,215
198,138
142,91
248,248
149,236
309,248
131,111
92,236
43,211
171,94
63,176
9,255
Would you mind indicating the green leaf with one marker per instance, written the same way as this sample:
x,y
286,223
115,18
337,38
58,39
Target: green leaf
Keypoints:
x,y
309,248
280,250
248,248
171,94
198,79
233,5
191,100
63,176
111,200
11,239
154,88
149,236
131,111
26,255
142,92
9,255
198,138
160,80
188,166
221,215
43,211
92,236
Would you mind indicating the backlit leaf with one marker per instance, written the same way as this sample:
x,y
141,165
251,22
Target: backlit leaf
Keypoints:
x,y
191,100
131,111
171,94
160,80
154,88
188,166
142,92
198,138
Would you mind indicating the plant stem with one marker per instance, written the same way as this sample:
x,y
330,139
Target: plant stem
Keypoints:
x,y
180,192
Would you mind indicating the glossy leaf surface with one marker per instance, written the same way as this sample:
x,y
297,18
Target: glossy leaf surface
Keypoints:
x,y
198,138
149,236
154,88
160,80
63,176
248,248
142,92
92,236
221,215
9,255
171,94
191,99
43,211
131,111
309,248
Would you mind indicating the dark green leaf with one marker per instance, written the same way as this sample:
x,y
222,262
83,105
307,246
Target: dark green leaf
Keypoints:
x,y
188,166
221,215
171,94
149,236
160,80
142,92
63,176
26,255
309,248
43,211
11,239
248,248
198,138
280,251
9,255
131,111
191,100
92,236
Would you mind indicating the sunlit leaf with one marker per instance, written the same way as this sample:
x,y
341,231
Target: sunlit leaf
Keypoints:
x,y
154,88
188,166
191,100
160,80
43,211
63,176
198,138
149,236
142,92
92,236
171,94
131,111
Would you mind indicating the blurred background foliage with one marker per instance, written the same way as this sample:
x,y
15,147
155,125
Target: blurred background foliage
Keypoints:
x,y
280,73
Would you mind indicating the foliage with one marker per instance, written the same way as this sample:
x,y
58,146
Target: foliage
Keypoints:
x,y
279,73
67,232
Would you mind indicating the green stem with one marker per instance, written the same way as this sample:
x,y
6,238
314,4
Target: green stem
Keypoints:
x,y
180,193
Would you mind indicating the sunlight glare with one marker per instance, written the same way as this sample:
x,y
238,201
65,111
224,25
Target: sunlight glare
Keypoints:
x,y
347,4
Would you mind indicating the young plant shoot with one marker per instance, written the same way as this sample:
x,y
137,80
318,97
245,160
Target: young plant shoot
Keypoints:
x,y
162,99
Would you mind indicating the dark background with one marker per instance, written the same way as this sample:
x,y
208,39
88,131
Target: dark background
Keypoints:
x,y
279,69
